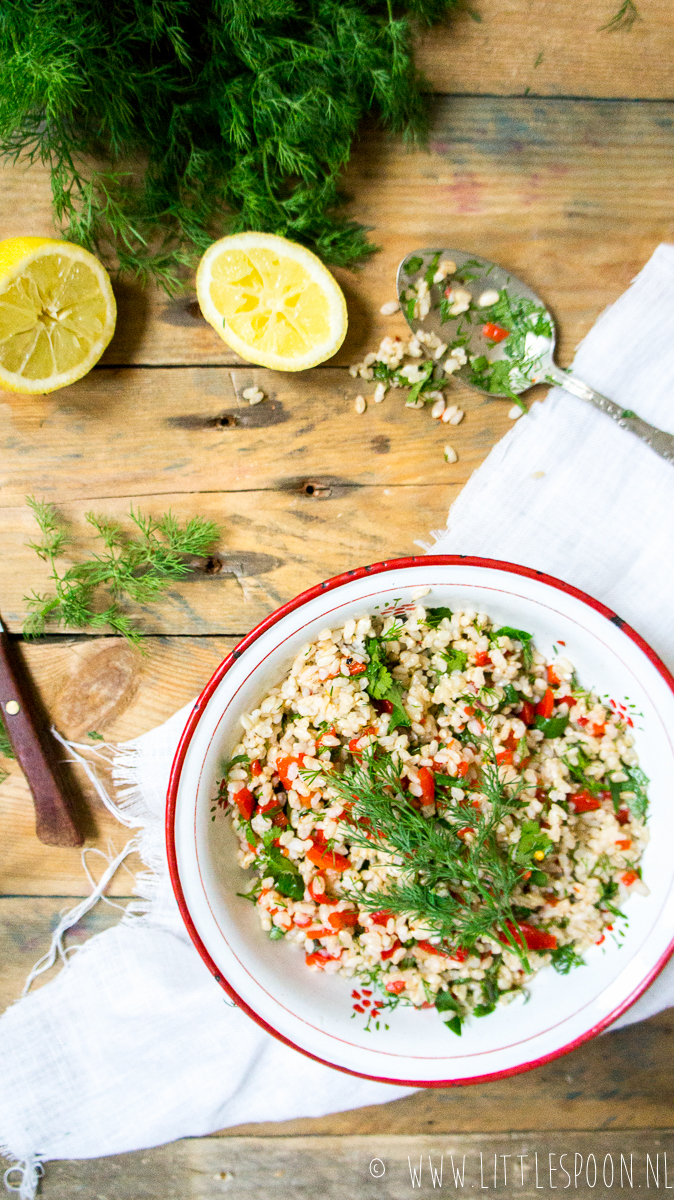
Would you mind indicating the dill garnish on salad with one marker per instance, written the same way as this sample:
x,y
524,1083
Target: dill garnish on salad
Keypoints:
x,y
435,812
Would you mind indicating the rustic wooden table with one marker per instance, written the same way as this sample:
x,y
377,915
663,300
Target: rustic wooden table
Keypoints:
x,y
552,152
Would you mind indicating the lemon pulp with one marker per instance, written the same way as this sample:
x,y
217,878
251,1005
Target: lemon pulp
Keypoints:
x,y
272,301
57,313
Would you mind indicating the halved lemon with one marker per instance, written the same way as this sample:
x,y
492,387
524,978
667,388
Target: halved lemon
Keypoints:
x,y
57,313
272,301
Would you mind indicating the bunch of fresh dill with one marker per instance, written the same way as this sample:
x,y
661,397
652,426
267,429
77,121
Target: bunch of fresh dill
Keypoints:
x,y
135,568
462,889
234,115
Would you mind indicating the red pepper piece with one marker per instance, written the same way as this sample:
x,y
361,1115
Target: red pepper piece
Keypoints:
x,y
318,896
382,706
389,953
255,767
343,920
320,959
245,802
482,659
545,706
431,949
629,878
381,918
283,765
396,986
584,801
623,816
504,758
427,784
495,333
553,677
528,713
531,936
327,860
357,669
462,769
358,1008
353,744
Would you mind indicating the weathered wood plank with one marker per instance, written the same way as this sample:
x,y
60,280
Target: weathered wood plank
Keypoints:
x,y
573,195
279,1168
274,544
99,685
553,48
128,432
26,924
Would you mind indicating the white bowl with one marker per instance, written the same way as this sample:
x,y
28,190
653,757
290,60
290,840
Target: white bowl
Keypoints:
x,y
312,1011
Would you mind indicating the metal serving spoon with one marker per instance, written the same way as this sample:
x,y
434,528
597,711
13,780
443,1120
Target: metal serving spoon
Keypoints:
x,y
525,354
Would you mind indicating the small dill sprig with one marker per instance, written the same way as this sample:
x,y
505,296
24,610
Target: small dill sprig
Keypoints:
x,y
623,18
460,889
243,116
131,568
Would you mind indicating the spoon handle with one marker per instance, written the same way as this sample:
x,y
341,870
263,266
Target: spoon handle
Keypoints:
x,y
657,439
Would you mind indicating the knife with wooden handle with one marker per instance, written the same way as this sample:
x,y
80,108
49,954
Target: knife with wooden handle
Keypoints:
x,y
36,750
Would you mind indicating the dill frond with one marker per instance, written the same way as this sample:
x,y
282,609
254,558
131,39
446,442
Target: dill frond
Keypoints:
x,y
128,568
242,115
623,18
460,889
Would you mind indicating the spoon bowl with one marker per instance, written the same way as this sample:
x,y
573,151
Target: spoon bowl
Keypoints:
x,y
496,333
478,277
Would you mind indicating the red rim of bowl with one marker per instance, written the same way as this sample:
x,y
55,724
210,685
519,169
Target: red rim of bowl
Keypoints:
x,y
195,716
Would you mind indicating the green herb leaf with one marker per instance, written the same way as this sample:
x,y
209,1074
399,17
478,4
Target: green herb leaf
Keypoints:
x,y
381,685
456,660
577,772
275,933
423,384
432,268
132,567
243,117
285,873
435,615
455,1025
636,783
565,958
518,635
511,695
445,1002
552,727
532,839
413,265
234,762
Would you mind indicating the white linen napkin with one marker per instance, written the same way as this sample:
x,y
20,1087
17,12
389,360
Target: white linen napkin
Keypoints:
x,y
134,1044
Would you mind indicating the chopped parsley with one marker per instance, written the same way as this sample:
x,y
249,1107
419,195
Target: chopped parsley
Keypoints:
x,y
635,786
435,615
456,660
517,635
381,685
533,840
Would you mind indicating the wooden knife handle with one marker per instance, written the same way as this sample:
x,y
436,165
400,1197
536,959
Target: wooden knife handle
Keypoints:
x,y
28,728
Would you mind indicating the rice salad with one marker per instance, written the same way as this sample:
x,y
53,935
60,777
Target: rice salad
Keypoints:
x,y
436,812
